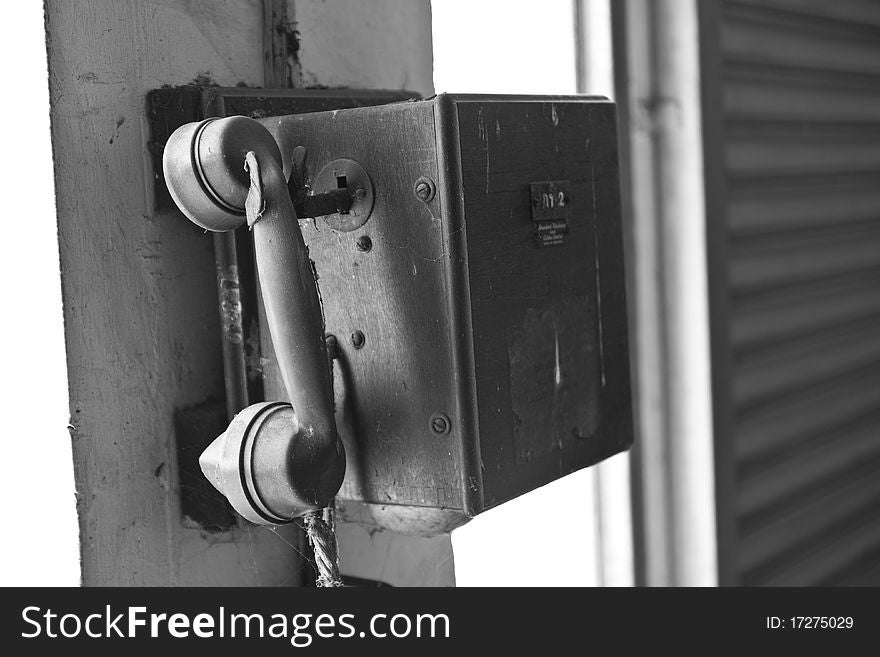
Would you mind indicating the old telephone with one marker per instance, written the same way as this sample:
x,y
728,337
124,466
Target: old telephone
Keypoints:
x,y
470,267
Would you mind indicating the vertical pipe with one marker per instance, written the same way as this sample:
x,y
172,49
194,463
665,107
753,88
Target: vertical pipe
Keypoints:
x,y
232,330
683,217
660,95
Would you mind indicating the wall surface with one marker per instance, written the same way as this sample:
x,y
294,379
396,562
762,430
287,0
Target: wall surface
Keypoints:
x,y
379,44
138,288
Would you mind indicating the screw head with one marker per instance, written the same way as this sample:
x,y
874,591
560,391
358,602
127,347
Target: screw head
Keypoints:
x,y
440,424
425,189
358,339
364,243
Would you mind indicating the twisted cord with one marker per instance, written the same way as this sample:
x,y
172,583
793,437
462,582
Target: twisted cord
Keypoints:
x,y
321,530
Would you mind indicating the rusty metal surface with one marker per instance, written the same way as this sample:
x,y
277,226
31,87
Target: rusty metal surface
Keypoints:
x,y
345,174
397,375
472,365
235,380
549,328
456,308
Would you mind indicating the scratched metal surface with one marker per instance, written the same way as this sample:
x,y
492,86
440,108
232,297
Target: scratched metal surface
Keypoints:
x,y
549,324
395,294
462,313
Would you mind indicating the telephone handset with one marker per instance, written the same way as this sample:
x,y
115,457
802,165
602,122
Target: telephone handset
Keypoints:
x,y
274,462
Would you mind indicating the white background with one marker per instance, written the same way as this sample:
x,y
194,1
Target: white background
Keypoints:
x,y
40,542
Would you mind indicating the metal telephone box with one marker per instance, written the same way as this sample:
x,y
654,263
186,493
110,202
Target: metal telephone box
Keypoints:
x,y
473,296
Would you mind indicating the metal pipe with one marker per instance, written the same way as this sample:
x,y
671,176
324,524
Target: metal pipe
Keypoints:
x,y
231,326
659,93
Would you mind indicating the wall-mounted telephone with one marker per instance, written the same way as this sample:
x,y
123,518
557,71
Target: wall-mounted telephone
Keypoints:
x,y
470,267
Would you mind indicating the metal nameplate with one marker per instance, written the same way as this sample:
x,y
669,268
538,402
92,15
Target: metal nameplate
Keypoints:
x,y
551,208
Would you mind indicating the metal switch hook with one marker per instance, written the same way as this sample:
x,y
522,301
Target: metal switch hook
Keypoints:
x,y
274,463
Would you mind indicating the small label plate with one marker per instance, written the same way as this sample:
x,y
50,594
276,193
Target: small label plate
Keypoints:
x,y
550,204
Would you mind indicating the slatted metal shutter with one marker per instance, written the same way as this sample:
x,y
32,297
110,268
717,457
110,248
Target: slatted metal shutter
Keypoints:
x,y
801,111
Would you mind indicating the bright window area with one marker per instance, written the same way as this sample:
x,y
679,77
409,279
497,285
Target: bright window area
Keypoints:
x,y
551,536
